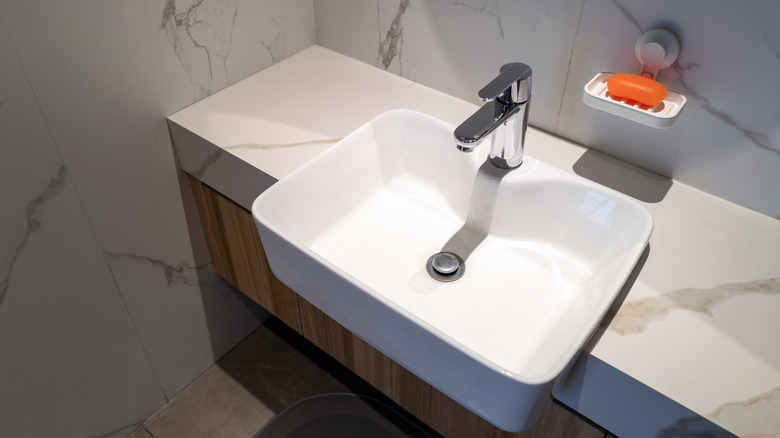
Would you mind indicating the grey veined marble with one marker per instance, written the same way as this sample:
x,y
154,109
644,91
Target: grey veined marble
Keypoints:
x,y
201,33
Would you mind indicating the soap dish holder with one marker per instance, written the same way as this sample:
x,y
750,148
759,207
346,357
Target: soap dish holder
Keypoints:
x,y
596,94
655,49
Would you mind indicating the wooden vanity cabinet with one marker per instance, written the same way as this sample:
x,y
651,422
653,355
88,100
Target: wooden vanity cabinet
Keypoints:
x,y
239,258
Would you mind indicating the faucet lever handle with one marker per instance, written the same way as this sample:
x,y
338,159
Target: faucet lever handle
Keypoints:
x,y
514,81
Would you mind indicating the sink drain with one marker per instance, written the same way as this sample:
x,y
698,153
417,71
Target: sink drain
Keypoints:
x,y
445,266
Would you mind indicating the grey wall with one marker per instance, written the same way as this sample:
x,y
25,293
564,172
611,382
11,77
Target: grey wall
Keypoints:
x,y
727,139
109,305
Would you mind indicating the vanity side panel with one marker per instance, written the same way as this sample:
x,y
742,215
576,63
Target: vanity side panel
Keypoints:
x,y
238,254
328,335
208,211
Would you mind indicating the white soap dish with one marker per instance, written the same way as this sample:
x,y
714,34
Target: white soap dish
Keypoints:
x,y
596,94
655,50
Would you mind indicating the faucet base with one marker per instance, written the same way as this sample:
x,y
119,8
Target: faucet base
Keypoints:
x,y
504,120
504,164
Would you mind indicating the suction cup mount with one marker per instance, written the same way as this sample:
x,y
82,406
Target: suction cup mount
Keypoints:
x,y
656,49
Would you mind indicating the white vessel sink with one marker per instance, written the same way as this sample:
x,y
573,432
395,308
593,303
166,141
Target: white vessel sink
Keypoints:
x,y
546,252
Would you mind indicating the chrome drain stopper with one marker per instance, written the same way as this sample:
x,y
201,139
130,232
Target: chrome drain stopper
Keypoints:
x,y
445,266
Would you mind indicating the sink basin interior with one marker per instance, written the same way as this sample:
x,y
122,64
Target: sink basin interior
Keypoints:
x,y
520,281
546,252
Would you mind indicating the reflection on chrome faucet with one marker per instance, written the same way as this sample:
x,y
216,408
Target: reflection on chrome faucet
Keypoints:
x,y
504,120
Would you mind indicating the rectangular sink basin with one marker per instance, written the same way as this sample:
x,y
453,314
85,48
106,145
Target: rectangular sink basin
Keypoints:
x,y
546,253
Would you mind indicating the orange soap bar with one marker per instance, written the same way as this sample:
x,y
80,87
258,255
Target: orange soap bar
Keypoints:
x,y
639,88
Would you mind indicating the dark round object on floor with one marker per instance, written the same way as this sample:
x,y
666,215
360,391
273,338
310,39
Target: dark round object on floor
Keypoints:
x,y
340,415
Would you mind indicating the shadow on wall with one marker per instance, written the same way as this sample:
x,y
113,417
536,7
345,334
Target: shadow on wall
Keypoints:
x,y
623,177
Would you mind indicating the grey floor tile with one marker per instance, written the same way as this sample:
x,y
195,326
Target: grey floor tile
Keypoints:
x,y
243,391
139,433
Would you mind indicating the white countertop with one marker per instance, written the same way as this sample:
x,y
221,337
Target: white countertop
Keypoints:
x,y
698,325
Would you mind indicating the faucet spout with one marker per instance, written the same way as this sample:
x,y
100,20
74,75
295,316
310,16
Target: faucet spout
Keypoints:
x,y
503,118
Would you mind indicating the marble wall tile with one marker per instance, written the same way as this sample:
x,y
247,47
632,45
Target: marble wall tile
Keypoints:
x,y
458,46
123,75
218,42
106,76
726,141
122,246
68,347
185,314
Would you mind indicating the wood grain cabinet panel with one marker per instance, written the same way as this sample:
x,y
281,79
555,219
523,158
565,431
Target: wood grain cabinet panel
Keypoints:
x,y
211,220
239,257
238,254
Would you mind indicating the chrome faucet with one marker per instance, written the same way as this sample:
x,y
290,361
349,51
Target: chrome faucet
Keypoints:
x,y
505,119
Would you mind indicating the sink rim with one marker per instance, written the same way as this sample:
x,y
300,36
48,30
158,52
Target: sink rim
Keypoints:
x,y
554,174
551,374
